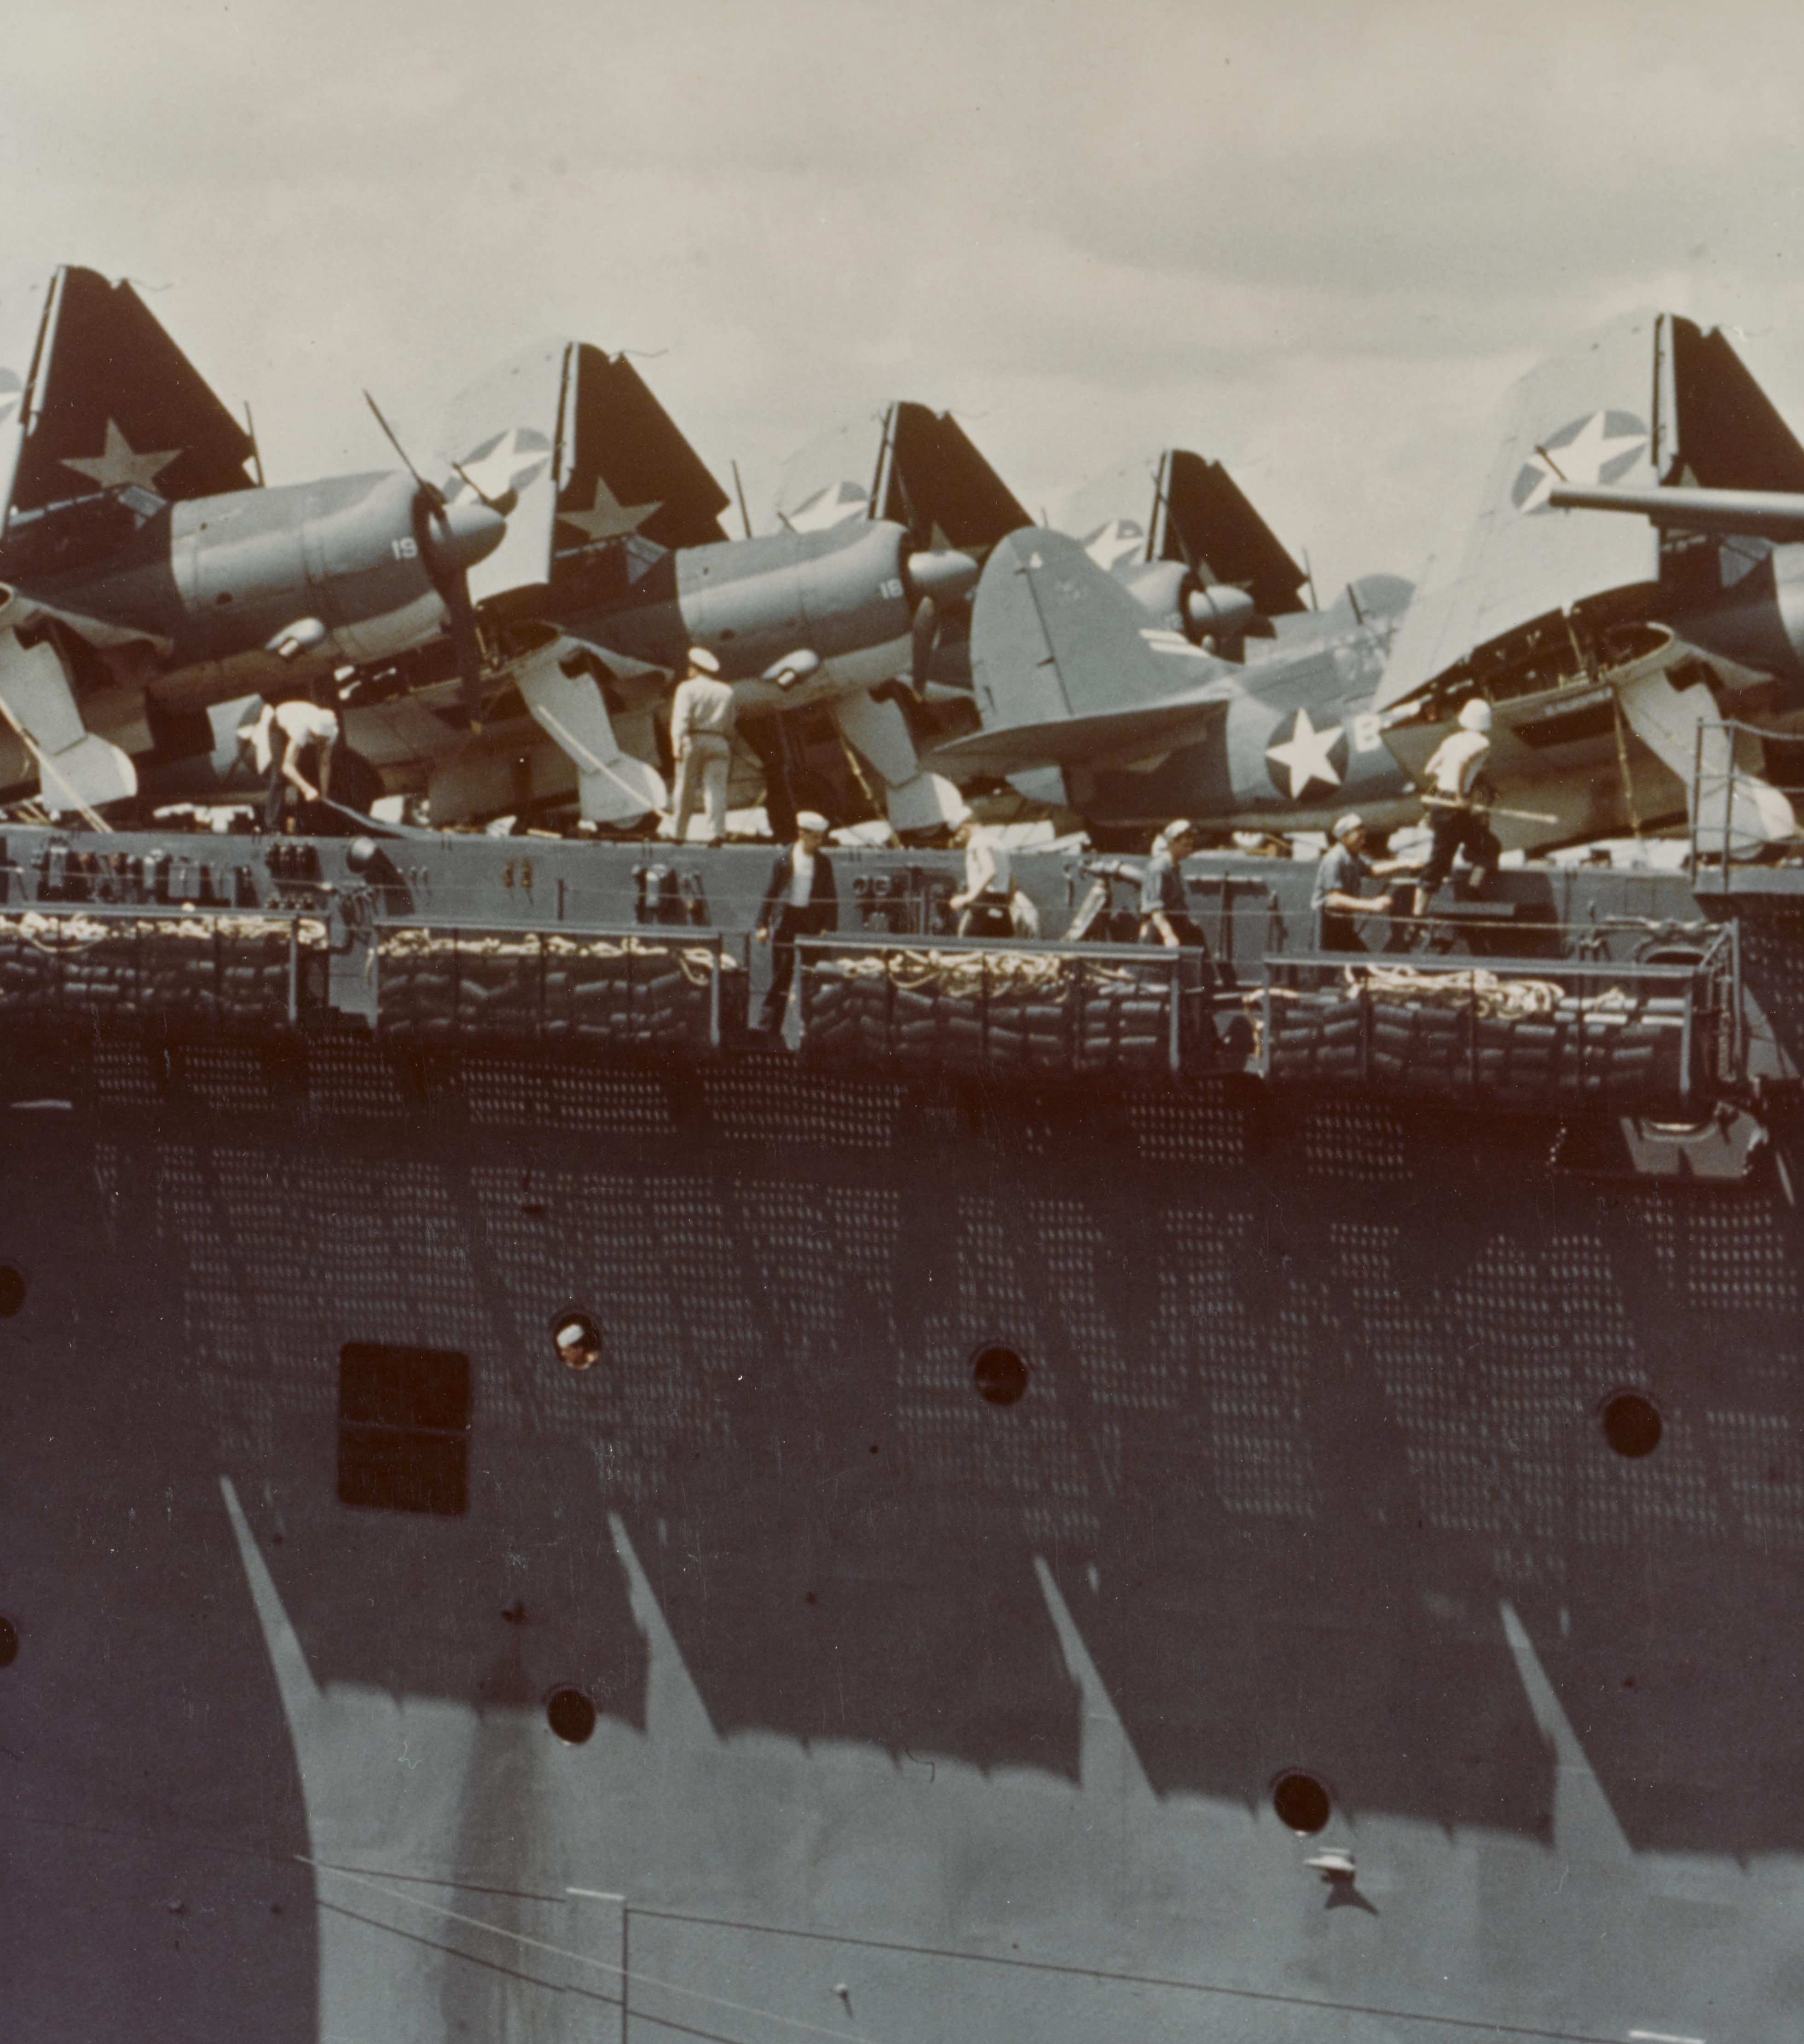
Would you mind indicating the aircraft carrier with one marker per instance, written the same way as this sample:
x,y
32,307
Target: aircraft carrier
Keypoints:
x,y
1113,1502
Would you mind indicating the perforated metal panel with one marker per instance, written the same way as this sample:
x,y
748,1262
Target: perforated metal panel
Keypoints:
x,y
350,1076
228,1076
767,1100
1354,1138
537,1094
1188,1128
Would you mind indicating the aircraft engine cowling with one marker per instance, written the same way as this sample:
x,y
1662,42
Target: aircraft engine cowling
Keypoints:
x,y
1215,608
1178,597
752,601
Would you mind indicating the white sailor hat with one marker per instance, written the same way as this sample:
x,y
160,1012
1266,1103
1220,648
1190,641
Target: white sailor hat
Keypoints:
x,y
1351,821
702,662
812,820
1476,715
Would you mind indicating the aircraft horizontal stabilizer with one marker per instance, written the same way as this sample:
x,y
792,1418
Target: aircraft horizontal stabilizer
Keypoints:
x,y
1113,737
566,702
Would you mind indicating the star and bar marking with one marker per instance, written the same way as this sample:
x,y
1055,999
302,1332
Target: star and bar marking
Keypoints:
x,y
1599,448
1306,756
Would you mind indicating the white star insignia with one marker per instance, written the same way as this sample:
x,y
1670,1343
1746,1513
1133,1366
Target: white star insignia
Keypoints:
x,y
1581,458
122,462
608,518
513,461
1304,755
831,506
1119,540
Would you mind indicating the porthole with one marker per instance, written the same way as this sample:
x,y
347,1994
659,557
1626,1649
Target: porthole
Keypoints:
x,y
1631,1423
1301,1802
570,1714
9,1642
577,1340
999,1373
12,1291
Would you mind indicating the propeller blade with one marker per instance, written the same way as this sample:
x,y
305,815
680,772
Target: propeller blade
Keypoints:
x,y
923,634
430,489
444,548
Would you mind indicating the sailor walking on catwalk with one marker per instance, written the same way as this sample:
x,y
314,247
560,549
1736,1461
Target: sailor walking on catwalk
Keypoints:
x,y
799,901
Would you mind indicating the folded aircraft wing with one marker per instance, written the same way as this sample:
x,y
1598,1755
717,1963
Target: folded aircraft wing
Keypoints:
x,y
96,397
589,455
1201,516
907,464
1603,412
24,298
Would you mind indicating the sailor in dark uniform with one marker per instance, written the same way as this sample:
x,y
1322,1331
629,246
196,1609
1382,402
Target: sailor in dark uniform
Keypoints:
x,y
1164,908
1337,899
798,902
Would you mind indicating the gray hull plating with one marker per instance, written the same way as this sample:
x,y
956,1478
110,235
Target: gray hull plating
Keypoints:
x,y
919,1716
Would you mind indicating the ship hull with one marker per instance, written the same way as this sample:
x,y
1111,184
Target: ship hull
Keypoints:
x,y
917,1714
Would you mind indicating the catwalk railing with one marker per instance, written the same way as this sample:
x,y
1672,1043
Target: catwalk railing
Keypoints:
x,y
1665,1031
1544,1035
1746,801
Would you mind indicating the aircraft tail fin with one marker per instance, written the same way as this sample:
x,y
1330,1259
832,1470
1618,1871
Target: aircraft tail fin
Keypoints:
x,y
575,436
1067,668
1649,401
96,398
914,466
933,479
1201,517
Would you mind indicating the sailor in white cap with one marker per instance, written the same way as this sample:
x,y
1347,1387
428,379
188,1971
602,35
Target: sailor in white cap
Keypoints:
x,y
578,1343
1164,908
701,734
798,902
1337,899
984,903
290,739
1454,800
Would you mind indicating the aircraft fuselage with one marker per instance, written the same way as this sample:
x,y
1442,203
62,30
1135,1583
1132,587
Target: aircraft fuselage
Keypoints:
x,y
843,595
192,600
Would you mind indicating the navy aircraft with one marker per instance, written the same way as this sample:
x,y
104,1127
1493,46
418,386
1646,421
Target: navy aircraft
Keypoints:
x,y
1616,651
147,576
573,548
1090,709
1613,651
615,564
1201,561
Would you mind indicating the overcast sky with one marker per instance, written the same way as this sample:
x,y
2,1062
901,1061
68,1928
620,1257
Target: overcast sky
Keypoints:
x,y
1315,241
